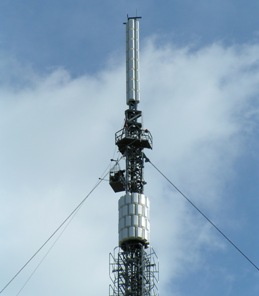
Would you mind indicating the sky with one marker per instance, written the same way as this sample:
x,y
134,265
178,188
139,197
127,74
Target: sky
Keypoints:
x,y
62,98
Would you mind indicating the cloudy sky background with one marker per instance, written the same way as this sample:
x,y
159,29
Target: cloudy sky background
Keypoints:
x,y
62,98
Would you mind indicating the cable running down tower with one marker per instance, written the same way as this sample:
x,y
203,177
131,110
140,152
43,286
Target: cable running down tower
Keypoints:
x,y
133,265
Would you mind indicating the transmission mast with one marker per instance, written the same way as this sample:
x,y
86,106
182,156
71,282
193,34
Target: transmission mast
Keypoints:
x,y
133,264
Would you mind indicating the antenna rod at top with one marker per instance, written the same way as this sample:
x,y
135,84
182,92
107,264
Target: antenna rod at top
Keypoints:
x,y
132,61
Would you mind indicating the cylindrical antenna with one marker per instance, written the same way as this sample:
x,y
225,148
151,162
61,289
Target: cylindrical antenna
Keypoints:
x,y
132,60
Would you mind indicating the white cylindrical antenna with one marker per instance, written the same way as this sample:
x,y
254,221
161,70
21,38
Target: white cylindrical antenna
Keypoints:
x,y
134,223
132,60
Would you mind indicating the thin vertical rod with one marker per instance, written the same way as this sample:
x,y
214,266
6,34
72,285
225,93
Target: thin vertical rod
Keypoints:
x,y
132,60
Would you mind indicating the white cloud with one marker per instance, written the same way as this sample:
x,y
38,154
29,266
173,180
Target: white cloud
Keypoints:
x,y
57,136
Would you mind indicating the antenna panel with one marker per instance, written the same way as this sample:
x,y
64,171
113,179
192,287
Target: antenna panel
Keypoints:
x,y
134,221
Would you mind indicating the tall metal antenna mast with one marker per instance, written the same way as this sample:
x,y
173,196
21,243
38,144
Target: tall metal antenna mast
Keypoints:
x,y
133,265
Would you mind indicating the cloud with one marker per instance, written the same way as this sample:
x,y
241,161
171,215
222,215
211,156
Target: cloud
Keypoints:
x,y
198,105
57,135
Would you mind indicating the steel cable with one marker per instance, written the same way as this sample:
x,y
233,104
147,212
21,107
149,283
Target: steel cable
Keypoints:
x,y
70,216
206,217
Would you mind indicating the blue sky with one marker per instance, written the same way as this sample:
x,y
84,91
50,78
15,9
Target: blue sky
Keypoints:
x,y
62,98
54,34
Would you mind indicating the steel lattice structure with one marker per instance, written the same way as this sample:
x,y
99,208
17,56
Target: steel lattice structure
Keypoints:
x,y
134,271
